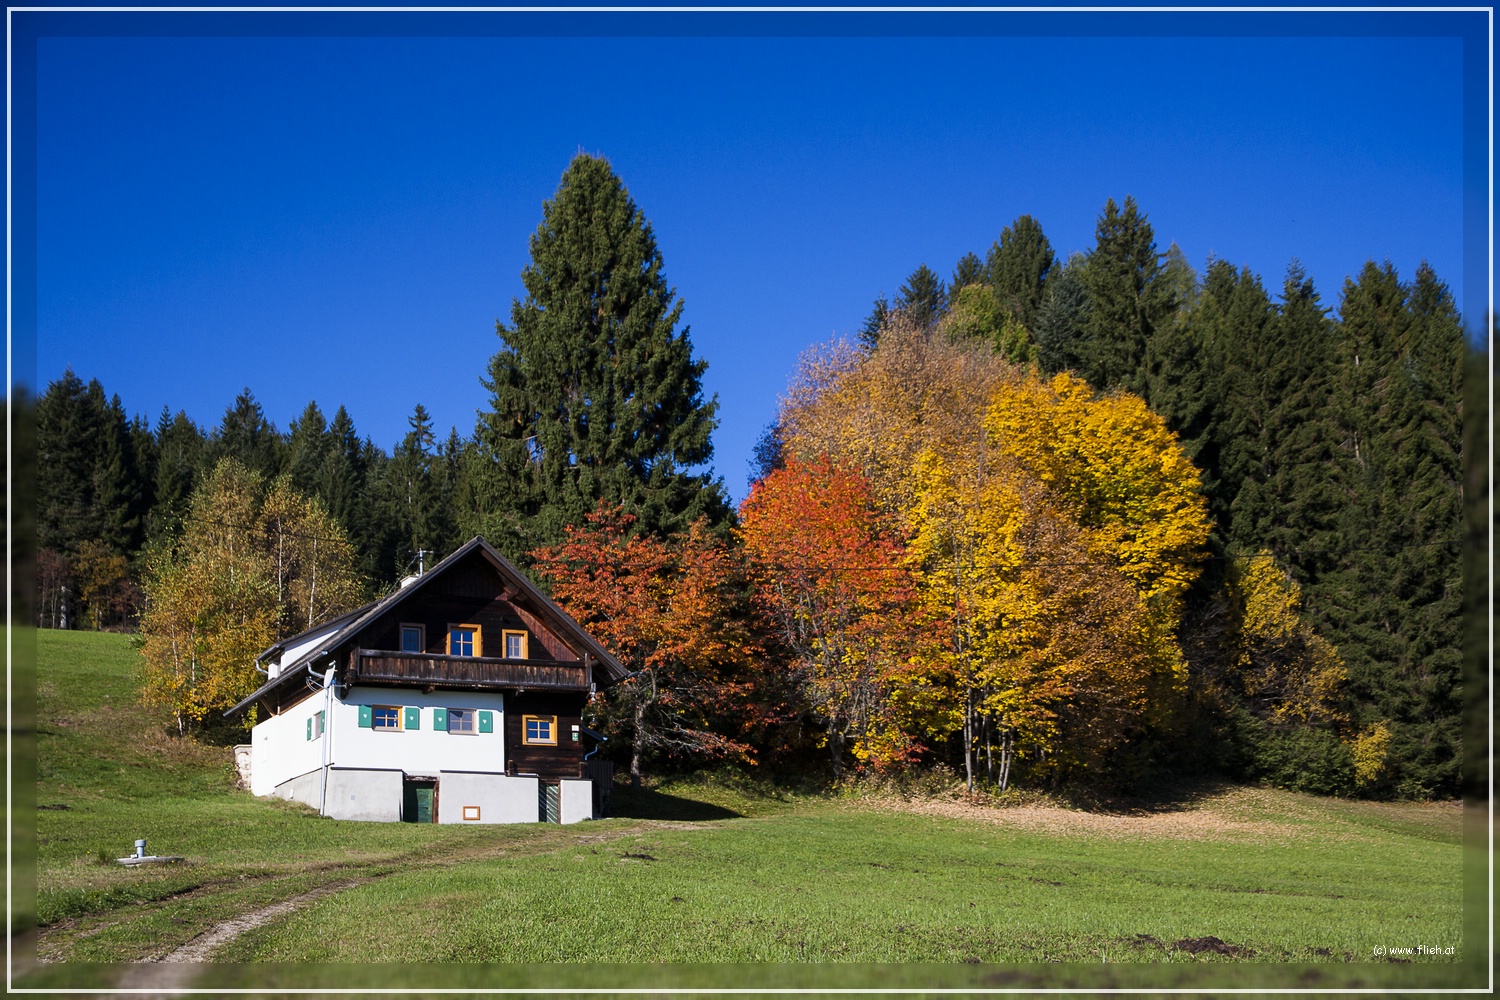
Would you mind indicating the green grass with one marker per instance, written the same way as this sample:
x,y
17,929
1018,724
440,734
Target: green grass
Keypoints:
x,y
705,871
829,883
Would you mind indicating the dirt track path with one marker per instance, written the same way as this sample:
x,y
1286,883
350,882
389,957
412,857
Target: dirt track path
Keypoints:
x,y
178,969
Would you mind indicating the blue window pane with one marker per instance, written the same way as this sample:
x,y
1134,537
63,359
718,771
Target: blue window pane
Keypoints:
x,y
411,640
461,641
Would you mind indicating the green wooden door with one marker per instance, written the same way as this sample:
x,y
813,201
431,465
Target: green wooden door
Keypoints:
x,y
416,806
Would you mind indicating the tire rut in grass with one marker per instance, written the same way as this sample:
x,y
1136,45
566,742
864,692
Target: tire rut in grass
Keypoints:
x,y
177,969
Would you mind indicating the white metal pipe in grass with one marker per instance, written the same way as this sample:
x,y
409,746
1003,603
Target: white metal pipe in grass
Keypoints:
x,y
327,736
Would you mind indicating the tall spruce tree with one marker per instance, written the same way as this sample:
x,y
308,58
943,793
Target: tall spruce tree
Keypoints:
x,y
924,297
970,270
1018,265
308,443
1306,488
248,437
68,429
1062,318
595,393
1127,298
179,460
1234,317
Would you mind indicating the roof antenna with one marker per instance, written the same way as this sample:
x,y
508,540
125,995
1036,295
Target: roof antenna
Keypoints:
x,y
421,561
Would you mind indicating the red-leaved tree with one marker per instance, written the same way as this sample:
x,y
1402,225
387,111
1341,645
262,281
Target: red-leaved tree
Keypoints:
x,y
671,611
830,572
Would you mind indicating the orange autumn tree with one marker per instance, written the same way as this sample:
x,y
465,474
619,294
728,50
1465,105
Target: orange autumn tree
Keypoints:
x,y
829,572
669,610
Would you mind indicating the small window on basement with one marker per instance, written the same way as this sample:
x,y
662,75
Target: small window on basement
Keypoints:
x,y
386,717
540,729
515,644
465,640
460,720
413,638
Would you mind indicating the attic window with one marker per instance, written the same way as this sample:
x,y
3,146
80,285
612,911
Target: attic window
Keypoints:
x,y
465,640
515,644
413,638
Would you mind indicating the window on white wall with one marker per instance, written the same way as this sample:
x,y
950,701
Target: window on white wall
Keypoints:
x,y
460,720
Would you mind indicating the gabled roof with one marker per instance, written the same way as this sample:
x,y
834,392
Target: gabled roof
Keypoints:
x,y
355,621
279,647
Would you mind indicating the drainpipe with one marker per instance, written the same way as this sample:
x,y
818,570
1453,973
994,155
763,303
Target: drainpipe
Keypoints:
x,y
327,738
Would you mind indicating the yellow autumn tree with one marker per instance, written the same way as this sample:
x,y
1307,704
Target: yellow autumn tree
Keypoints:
x,y
1059,552
1283,670
220,594
310,557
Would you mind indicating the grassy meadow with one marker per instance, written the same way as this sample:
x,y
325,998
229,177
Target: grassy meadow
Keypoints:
x,y
701,872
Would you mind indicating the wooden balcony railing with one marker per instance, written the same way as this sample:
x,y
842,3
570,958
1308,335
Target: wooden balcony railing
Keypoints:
x,y
437,670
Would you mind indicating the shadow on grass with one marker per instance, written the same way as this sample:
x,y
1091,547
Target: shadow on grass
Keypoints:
x,y
1149,798
648,803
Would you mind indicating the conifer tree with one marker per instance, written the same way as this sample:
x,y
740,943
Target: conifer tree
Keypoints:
x,y
307,449
1127,301
595,393
923,298
120,494
1233,317
68,427
1392,601
969,271
869,330
248,437
1305,487
340,480
179,457
1062,318
1018,265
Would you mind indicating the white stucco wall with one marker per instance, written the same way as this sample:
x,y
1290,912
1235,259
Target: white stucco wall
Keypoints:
x,y
575,800
371,795
280,749
498,799
424,750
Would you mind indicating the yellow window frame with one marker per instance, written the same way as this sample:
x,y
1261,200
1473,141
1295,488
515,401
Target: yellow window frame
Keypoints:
x,y
525,643
478,639
550,720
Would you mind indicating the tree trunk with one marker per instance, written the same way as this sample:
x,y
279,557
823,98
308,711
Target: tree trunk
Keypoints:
x,y
969,736
635,746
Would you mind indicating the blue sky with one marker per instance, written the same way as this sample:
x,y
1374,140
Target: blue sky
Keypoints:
x,y
343,218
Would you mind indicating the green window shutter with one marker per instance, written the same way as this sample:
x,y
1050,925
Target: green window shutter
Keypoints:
x,y
486,721
309,729
440,719
366,717
413,718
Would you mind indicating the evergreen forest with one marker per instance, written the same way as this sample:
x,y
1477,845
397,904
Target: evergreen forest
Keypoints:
x,y
1045,521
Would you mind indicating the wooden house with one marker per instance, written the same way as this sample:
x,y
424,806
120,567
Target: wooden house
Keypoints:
x,y
456,699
